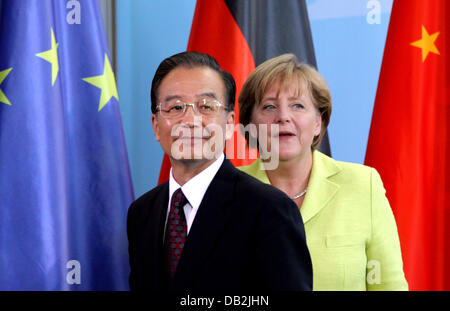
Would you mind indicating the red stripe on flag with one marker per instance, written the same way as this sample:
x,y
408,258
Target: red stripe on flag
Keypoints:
x,y
214,31
165,170
409,137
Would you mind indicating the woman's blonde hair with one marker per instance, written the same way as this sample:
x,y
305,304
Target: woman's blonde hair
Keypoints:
x,y
285,69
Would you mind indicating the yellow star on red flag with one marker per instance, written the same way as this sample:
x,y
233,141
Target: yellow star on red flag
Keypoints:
x,y
426,43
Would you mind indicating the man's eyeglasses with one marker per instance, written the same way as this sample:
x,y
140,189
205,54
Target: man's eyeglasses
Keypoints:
x,y
176,108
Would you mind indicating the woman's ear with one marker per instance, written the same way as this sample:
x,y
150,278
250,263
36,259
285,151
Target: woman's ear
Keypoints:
x,y
318,126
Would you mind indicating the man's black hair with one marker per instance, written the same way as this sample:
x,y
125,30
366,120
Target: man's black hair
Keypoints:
x,y
193,60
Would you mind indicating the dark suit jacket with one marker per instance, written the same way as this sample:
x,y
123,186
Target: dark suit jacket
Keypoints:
x,y
246,235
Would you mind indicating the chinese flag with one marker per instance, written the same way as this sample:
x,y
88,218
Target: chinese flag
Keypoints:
x,y
409,137
241,35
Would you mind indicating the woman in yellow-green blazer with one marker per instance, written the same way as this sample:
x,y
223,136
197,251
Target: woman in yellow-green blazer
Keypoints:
x,y
350,228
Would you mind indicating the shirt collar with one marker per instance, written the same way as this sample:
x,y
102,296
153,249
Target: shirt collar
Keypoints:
x,y
196,187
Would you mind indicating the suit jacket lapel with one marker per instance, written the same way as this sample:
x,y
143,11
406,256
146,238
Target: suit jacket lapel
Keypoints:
x,y
155,256
321,190
208,224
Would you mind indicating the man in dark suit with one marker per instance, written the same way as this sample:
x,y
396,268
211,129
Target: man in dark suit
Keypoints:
x,y
210,227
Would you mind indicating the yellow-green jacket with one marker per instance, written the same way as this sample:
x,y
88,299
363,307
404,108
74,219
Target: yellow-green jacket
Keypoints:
x,y
350,228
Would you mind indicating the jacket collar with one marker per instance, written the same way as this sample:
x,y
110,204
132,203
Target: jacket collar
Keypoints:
x,y
321,189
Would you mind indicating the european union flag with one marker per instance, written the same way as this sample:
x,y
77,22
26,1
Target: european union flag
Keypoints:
x,y
65,183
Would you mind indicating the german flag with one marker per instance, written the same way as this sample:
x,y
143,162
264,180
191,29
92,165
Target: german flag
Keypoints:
x,y
241,35
409,138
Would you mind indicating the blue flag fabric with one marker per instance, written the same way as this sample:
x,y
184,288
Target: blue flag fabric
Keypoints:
x,y
65,183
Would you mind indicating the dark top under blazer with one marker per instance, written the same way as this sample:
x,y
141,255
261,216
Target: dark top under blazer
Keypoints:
x,y
246,236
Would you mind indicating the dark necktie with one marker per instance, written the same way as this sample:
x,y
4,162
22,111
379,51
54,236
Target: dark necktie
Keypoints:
x,y
176,231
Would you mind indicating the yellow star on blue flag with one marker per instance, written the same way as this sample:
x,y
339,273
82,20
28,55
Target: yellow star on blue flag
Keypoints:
x,y
3,98
106,82
52,57
61,162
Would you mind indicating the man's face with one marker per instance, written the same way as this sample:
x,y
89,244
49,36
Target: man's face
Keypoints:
x,y
192,136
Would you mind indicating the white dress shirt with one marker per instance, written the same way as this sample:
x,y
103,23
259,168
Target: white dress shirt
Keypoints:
x,y
194,190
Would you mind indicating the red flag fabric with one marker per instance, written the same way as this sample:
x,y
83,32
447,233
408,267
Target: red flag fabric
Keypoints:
x,y
409,137
215,31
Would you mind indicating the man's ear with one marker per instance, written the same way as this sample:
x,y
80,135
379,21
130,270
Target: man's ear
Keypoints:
x,y
155,126
230,128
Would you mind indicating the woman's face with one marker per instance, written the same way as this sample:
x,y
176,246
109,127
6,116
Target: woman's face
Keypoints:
x,y
297,118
